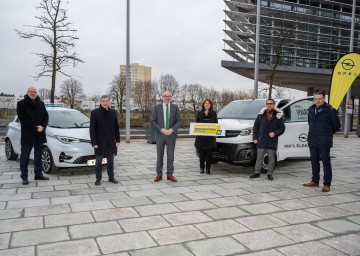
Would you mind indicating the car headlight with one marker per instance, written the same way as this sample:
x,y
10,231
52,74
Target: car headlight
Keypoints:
x,y
67,140
246,132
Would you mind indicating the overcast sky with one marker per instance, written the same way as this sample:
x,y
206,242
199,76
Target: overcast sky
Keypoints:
x,y
179,37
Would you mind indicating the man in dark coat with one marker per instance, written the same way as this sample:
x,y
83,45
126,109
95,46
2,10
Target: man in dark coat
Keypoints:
x,y
105,137
268,126
33,118
323,123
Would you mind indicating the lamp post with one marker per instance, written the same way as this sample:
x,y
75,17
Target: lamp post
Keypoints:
x,y
128,72
257,47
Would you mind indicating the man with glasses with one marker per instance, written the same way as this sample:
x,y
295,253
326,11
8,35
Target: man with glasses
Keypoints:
x,y
33,118
166,120
268,126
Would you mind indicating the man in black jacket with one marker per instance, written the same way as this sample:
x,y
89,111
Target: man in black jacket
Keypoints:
x,y
268,126
105,137
33,118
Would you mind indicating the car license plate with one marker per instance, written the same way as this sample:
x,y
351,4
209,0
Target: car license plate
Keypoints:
x,y
93,162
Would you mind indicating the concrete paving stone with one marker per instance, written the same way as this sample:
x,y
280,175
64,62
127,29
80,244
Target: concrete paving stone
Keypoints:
x,y
39,236
293,204
130,202
345,198
296,217
204,188
234,185
70,199
11,213
288,194
259,198
18,185
221,228
348,244
154,185
118,254
312,192
261,189
329,212
228,201
355,219
141,176
82,181
87,191
264,239
55,183
182,183
68,219
262,208
340,226
232,192
28,203
108,196
176,190
185,218
225,213
309,248
202,195
135,182
91,206
176,250
24,251
209,182
125,242
10,181
37,195
24,196
215,247
143,193
195,205
10,191
71,187
351,207
86,247
112,189
46,210
303,232
94,230
175,235
35,189
11,225
321,200
271,252
4,241
261,222
2,205
144,223
114,214
149,210
168,198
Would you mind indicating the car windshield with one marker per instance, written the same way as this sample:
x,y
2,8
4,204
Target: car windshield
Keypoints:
x,y
68,119
242,109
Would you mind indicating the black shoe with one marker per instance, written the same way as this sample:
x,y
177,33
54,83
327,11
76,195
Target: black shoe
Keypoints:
x,y
208,171
270,177
25,182
255,175
97,182
40,177
113,180
202,171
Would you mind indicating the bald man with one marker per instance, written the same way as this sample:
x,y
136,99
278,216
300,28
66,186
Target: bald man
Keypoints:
x,y
33,118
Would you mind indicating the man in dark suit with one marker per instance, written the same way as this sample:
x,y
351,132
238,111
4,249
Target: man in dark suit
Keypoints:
x,y
166,120
105,137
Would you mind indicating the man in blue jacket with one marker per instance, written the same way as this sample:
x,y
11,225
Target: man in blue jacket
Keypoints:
x,y
323,123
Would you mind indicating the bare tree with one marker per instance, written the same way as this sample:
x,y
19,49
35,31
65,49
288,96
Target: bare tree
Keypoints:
x,y
169,83
72,92
117,92
196,96
44,93
54,30
183,98
143,94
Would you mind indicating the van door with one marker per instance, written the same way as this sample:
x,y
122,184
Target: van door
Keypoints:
x,y
293,143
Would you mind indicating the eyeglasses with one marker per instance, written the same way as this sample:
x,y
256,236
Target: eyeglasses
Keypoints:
x,y
269,103
32,91
166,96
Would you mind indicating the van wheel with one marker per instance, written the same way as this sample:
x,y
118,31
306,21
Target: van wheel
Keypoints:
x,y
9,151
47,161
265,165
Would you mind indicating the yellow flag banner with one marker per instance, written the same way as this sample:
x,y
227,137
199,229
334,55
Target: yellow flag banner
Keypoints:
x,y
344,74
206,129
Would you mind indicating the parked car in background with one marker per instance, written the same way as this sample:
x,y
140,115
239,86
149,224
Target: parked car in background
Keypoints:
x,y
68,140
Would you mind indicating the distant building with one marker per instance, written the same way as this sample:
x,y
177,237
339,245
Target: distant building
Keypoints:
x,y
8,101
137,73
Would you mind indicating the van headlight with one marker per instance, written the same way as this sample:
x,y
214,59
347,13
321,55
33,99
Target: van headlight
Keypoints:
x,y
246,132
67,140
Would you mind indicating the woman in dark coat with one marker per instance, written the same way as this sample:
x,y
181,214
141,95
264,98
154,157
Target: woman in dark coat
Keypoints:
x,y
206,144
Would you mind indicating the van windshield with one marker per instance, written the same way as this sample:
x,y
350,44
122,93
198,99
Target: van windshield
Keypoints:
x,y
242,109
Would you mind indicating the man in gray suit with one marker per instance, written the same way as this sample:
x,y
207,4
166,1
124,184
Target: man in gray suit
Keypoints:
x,y
166,120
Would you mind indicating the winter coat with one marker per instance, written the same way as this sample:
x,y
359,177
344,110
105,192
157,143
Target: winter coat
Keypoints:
x,y
104,131
31,114
322,126
206,142
263,126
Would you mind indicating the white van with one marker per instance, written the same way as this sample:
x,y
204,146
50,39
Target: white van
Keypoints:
x,y
237,119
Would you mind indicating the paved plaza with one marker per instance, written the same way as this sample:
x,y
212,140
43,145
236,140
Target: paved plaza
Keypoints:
x,y
224,213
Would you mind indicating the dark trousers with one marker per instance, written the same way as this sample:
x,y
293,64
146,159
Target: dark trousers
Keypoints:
x,y
109,166
205,158
323,154
169,142
24,160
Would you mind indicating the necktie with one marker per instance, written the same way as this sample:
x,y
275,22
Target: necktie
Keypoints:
x,y
167,117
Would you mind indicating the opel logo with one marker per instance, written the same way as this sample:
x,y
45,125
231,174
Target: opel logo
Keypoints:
x,y
303,137
348,64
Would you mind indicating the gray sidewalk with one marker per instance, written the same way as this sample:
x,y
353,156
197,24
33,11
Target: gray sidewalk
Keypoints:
x,y
224,213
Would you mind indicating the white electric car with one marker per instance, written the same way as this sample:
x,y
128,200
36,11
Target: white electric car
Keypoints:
x,y
68,140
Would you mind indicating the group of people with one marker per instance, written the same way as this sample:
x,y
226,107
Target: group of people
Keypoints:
x,y
105,137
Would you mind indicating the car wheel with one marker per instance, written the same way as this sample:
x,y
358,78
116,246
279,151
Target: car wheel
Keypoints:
x,y
9,151
265,165
47,161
